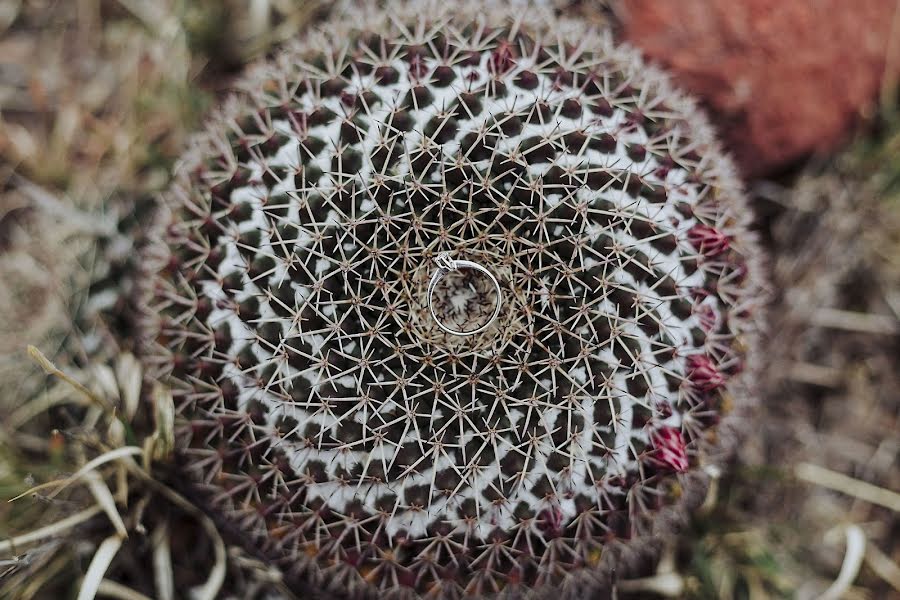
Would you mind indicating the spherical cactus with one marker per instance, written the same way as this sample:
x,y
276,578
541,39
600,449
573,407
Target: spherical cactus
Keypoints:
x,y
335,426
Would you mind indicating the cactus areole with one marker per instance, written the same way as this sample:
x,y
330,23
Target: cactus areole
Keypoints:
x,y
327,416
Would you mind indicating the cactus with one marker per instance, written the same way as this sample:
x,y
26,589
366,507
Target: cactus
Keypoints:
x,y
326,418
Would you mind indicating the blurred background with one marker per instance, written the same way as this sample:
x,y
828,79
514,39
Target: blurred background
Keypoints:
x,y
97,97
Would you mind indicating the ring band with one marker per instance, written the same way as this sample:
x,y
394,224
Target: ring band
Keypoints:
x,y
448,265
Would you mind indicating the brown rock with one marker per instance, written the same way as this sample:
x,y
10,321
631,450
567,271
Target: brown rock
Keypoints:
x,y
782,78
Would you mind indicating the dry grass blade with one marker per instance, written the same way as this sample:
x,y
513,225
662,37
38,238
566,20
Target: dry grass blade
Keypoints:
x,y
148,13
853,559
665,582
162,563
111,589
32,588
815,375
55,396
667,585
848,485
105,499
97,569
112,455
128,374
854,321
50,369
54,529
60,485
883,566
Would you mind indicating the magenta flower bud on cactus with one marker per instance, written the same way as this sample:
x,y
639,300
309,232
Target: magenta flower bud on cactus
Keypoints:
x,y
709,241
330,416
669,448
702,373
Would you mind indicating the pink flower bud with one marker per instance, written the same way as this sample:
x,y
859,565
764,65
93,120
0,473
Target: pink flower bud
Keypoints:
x,y
702,373
669,448
708,241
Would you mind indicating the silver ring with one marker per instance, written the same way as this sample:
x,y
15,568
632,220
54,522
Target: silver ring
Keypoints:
x,y
448,265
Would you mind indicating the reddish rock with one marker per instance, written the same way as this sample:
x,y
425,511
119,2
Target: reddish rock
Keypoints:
x,y
782,78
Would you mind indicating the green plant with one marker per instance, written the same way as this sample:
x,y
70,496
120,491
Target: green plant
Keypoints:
x,y
326,418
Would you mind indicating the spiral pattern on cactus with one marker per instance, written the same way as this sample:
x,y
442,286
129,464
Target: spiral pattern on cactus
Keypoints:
x,y
330,419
